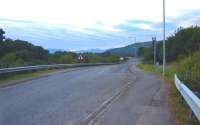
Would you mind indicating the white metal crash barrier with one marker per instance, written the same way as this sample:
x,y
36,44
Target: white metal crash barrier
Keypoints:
x,y
192,100
37,67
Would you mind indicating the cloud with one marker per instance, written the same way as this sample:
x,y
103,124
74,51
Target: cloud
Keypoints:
x,y
83,24
85,13
60,36
188,18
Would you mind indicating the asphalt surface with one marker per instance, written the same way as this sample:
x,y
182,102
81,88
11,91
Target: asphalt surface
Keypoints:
x,y
105,95
143,104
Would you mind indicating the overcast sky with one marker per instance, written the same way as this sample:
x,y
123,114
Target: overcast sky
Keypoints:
x,y
86,24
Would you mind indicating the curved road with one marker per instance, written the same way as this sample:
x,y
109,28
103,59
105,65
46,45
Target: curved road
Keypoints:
x,y
94,94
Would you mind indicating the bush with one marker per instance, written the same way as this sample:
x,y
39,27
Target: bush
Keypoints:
x,y
11,60
189,71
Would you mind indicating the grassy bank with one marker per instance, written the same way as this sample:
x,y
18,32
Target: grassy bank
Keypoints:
x,y
12,78
178,106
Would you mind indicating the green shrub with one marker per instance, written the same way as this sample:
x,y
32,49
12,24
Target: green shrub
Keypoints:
x,y
189,71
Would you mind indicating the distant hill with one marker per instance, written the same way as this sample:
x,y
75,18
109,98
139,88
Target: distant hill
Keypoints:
x,y
91,50
79,51
129,50
54,50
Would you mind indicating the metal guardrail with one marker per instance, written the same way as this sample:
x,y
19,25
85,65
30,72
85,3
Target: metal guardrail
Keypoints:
x,y
38,67
192,100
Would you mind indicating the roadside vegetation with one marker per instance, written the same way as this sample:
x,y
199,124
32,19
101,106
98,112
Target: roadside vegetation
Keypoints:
x,y
178,106
13,78
183,58
15,53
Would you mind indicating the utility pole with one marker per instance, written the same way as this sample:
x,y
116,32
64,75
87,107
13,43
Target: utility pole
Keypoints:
x,y
154,50
164,59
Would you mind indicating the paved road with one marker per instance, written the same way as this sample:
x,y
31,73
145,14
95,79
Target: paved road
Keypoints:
x,y
142,104
71,98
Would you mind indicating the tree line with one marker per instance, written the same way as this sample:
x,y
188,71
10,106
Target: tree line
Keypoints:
x,y
23,53
182,53
183,43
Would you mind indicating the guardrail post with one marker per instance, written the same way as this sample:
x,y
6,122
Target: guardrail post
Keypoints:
x,y
190,114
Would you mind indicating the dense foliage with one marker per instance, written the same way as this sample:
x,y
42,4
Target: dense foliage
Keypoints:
x,y
102,57
183,50
18,52
182,43
146,53
22,53
189,71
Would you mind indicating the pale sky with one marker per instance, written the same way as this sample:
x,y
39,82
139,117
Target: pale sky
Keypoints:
x,y
86,24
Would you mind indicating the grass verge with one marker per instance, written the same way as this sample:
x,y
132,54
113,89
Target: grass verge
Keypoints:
x,y
178,106
13,78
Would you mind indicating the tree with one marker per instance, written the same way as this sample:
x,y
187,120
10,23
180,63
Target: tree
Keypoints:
x,y
66,59
11,60
184,42
2,37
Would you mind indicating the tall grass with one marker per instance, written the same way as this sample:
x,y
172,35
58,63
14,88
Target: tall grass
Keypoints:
x,y
189,71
